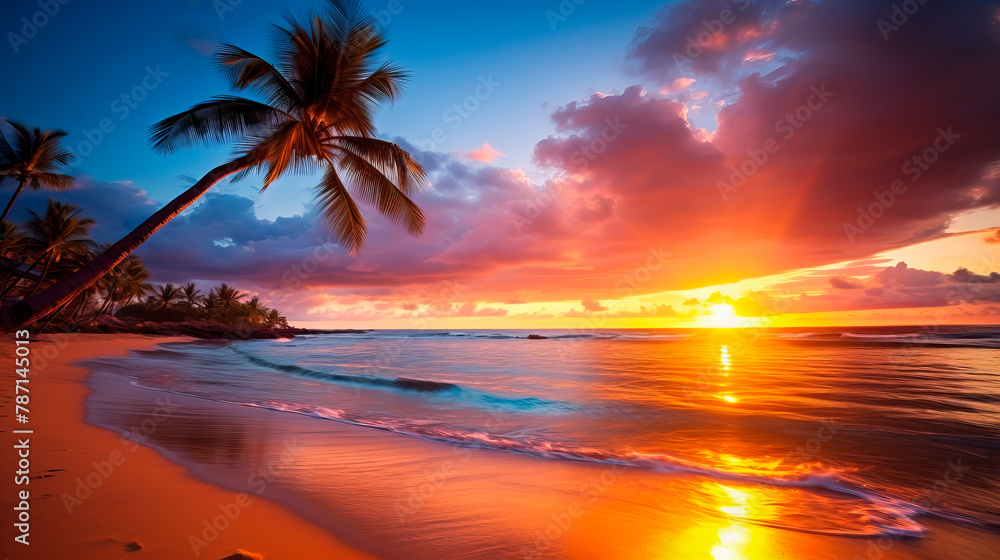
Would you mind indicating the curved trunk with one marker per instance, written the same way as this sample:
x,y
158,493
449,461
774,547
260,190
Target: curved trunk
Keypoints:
x,y
20,186
16,314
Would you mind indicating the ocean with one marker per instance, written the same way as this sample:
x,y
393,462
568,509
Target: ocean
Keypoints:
x,y
869,443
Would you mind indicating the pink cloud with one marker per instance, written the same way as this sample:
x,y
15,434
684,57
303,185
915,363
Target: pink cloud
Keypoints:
x,y
485,153
676,85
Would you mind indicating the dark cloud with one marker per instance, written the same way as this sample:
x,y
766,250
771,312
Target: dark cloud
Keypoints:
x,y
845,283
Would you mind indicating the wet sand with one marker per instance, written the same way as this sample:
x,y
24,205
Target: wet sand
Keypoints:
x,y
134,494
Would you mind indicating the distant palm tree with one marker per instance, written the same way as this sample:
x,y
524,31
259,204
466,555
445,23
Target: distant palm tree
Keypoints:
x,y
254,307
317,114
134,280
125,282
274,320
31,159
166,294
227,297
57,234
191,295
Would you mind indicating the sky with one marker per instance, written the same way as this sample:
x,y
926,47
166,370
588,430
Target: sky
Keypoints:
x,y
591,163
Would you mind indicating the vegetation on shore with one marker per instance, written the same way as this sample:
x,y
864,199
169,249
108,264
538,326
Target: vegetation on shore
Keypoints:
x,y
52,245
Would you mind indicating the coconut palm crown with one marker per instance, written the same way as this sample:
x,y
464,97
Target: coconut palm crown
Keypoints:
x,y
317,110
31,158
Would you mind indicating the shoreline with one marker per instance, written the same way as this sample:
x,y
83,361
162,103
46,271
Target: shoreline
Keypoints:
x,y
95,494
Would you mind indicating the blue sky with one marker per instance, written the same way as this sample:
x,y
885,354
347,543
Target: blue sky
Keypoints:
x,y
72,73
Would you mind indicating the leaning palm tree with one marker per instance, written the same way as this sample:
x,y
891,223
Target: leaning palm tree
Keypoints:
x,y
31,159
317,113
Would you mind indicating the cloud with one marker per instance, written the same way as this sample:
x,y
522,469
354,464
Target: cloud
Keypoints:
x,y
470,310
995,238
593,305
717,298
841,143
643,311
965,276
485,153
845,283
677,85
893,287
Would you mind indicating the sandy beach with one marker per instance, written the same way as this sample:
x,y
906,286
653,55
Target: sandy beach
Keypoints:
x,y
94,493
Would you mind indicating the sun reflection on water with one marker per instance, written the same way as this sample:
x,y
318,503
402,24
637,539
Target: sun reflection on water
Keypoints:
x,y
735,536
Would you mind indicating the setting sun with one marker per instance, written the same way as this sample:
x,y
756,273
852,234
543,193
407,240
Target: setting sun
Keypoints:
x,y
722,316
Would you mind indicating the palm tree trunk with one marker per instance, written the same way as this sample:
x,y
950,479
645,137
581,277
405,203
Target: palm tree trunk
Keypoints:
x,y
24,181
16,314
45,272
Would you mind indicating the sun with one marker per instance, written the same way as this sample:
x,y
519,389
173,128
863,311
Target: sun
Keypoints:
x,y
723,316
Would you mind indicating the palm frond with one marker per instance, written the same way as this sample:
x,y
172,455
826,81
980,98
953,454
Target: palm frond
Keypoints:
x,y
341,213
391,160
245,70
52,181
378,190
221,119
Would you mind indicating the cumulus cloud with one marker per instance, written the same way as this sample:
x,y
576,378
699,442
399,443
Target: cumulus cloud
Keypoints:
x,y
893,287
841,282
485,153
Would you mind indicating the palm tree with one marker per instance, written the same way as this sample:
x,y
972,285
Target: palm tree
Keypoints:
x,y
125,282
191,295
166,294
11,253
317,114
57,234
226,296
133,279
274,320
255,311
31,159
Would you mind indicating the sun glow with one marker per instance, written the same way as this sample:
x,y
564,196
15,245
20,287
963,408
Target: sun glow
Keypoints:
x,y
723,316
